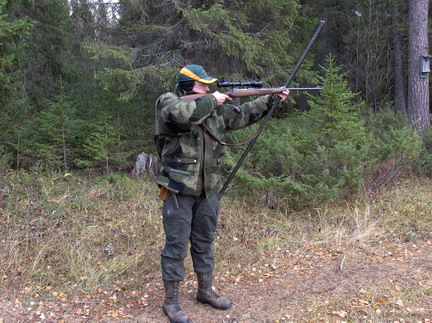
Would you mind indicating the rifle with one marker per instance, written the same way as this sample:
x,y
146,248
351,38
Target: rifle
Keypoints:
x,y
239,93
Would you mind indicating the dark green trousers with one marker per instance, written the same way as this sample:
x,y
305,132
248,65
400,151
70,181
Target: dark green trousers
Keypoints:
x,y
194,221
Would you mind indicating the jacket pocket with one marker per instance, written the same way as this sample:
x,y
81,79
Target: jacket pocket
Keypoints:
x,y
185,164
182,164
179,175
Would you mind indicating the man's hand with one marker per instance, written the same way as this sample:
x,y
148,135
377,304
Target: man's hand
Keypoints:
x,y
283,95
220,97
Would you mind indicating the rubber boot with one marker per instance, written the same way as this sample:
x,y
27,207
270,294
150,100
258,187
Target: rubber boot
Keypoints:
x,y
206,295
171,306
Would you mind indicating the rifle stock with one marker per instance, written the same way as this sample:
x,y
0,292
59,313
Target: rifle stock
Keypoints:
x,y
239,93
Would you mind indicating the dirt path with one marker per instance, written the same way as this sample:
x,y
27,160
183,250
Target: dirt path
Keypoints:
x,y
314,285
299,290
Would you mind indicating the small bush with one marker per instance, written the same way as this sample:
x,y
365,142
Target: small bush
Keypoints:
x,y
5,159
395,147
423,164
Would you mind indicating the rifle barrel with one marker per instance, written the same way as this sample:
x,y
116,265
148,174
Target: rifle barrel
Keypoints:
x,y
273,90
238,93
304,88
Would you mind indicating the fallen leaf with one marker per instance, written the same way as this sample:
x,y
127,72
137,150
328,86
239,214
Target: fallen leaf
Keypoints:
x,y
341,314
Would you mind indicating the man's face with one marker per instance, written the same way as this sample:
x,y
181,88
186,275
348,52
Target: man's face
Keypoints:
x,y
200,88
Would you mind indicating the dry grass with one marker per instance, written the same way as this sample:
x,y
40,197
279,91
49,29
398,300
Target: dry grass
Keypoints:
x,y
85,231
93,230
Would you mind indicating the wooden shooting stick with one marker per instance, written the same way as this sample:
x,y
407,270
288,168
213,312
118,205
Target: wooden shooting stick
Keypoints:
x,y
269,114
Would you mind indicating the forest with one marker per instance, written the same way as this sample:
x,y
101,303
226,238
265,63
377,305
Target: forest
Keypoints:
x,y
328,218
80,78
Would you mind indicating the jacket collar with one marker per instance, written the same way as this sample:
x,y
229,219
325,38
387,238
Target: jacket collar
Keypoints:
x,y
178,91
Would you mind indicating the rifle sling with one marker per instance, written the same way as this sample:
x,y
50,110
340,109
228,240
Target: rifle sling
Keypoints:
x,y
223,143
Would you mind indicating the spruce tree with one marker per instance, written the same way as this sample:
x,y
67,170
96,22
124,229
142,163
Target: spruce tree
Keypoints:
x,y
340,146
99,146
50,140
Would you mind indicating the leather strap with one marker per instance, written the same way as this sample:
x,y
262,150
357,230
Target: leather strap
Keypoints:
x,y
223,143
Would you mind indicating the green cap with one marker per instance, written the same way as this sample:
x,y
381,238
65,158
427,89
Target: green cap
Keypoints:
x,y
195,73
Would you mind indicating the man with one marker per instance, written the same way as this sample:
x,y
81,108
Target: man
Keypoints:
x,y
189,177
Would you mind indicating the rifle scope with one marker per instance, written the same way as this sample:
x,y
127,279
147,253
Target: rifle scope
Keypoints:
x,y
222,83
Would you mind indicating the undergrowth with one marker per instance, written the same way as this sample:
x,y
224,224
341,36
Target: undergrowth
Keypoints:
x,y
93,230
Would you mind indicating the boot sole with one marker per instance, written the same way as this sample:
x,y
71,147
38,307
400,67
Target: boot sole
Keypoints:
x,y
172,321
223,308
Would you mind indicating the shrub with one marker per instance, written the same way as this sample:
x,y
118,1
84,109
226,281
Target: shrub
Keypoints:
x,y
5,159
423,164
395,147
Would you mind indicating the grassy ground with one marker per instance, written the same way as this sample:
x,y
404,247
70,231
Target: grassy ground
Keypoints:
x,y
84,238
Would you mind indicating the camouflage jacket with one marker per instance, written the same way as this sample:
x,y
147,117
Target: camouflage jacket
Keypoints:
x,y
189,158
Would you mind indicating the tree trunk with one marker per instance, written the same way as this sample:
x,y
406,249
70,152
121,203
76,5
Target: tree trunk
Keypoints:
x,y
418,88
65,166
398,77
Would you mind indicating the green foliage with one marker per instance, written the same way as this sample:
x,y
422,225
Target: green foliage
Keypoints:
x,y
99,145
394,139
423,164
341,147
50,138
44,61
234,41
253,35
13,33
5,159
113,68
329,152
318,155
396,147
